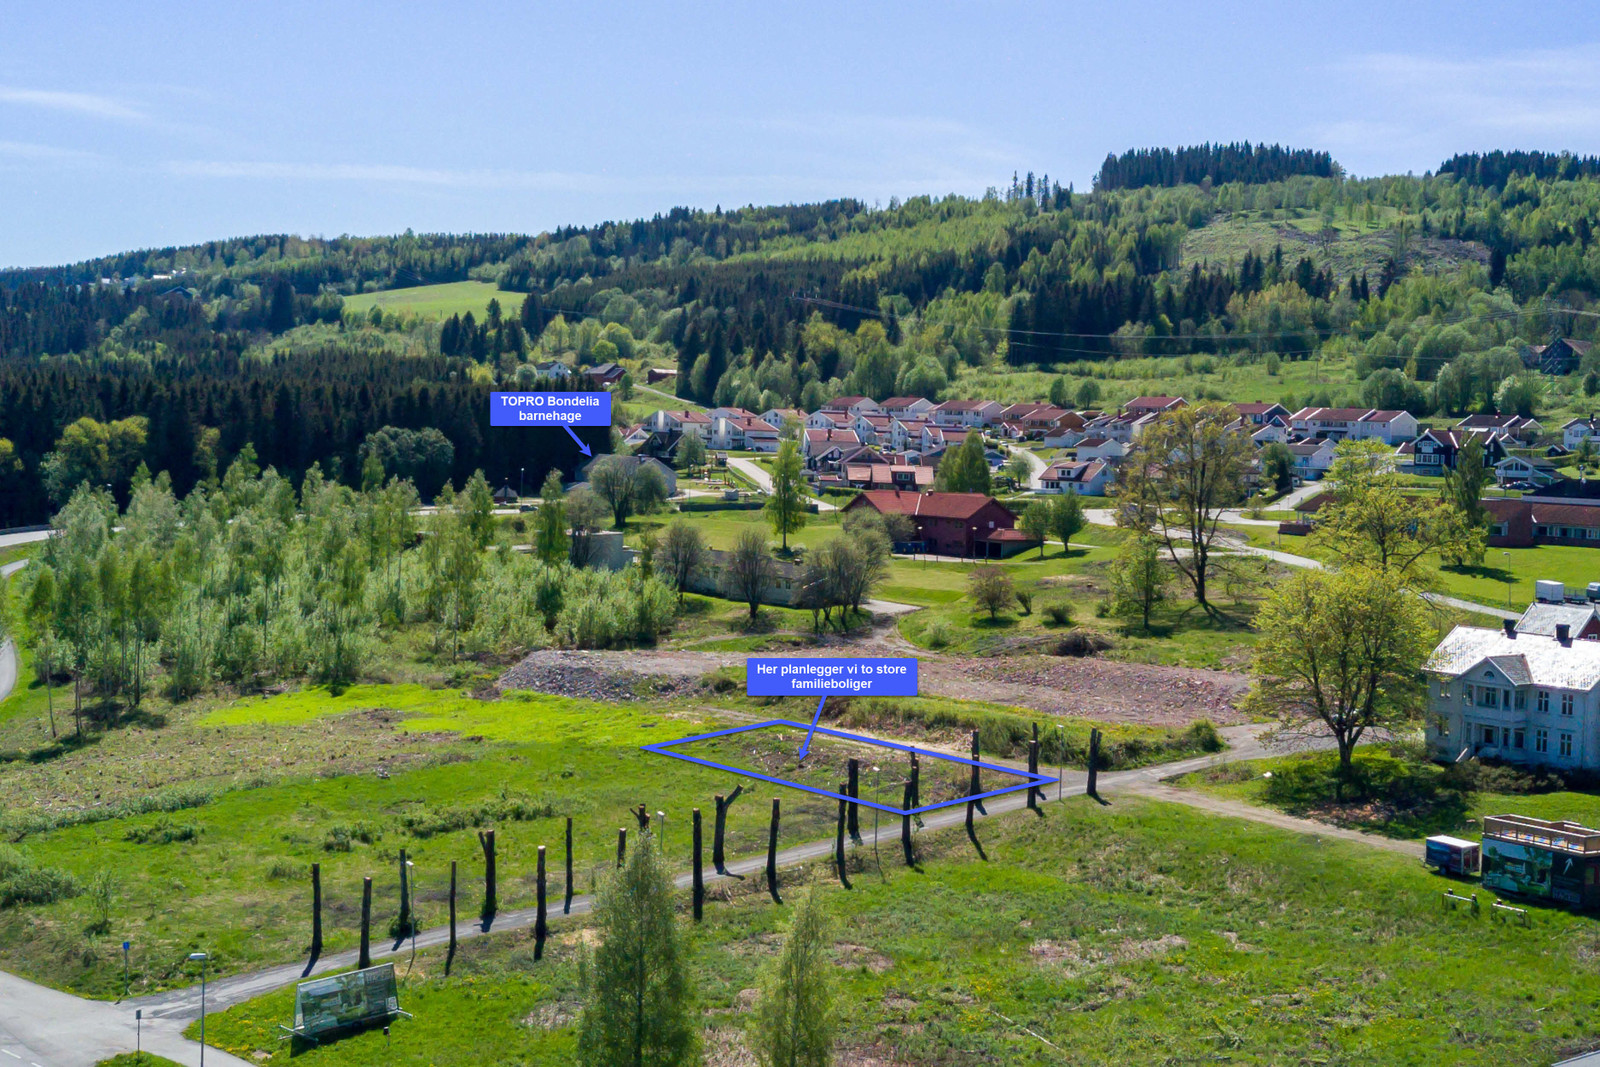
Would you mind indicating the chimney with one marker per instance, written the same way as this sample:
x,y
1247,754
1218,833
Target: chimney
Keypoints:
x,y
1510,627
1563,632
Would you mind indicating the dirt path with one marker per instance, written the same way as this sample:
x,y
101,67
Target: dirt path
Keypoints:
x,y
1103,690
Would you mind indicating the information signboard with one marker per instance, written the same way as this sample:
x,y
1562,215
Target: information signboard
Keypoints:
x,y
343,1000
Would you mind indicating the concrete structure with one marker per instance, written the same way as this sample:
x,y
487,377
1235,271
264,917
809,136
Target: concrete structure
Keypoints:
x,y
711,580
969,525
1522,698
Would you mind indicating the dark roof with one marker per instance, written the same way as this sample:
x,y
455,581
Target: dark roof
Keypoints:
x,y
931,505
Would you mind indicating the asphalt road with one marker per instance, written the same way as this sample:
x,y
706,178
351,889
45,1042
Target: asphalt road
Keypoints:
x,y
8,650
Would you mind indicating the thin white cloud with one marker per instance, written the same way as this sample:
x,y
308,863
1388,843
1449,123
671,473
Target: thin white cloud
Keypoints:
x,y
1410,103
267,170
41,152
77,103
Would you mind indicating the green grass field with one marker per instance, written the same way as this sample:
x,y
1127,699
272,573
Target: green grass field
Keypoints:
x,y
1136,933
437,301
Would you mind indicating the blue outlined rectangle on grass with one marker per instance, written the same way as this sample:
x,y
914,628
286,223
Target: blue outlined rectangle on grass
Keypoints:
x,y
804,676
550,409
665,748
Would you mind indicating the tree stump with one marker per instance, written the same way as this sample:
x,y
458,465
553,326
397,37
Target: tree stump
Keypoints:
x,y
364,958
718,859
838,839
772,854
491,900
540,930
853,790
699,872
566,905
316,910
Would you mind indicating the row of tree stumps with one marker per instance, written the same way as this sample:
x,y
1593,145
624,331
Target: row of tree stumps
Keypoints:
x,y
847,825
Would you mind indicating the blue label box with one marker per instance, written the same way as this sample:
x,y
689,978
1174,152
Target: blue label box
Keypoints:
x,y
550,409
830,676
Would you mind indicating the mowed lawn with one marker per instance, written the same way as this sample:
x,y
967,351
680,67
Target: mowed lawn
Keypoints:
x,y
1141,932
438,301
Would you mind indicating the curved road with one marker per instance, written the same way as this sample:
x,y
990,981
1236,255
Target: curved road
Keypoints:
x,y
8,650
752,470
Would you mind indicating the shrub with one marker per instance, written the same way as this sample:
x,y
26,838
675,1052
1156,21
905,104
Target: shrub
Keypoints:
x,y
162,832
1082,642
1024,601
938,635
504,808
24,882
342,837
18,824
1058,614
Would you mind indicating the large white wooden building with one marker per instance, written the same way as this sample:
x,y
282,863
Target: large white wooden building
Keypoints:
x,y
1522,697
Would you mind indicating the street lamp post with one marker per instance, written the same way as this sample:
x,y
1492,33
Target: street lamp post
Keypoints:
x,y
201,957
521,472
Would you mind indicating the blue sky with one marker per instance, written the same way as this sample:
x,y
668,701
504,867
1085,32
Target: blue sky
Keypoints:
x,y
128,126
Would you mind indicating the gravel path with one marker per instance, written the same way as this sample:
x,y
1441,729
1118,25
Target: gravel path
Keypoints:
x,y
1104,690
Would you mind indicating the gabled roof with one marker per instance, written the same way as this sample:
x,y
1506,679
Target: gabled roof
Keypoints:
x,y
1543,660
929,505
967,405
1066,470
901,403
1495,422
1330,414
845,403
1256,407
1143,404
1381,416
687,415
1541,619
834,437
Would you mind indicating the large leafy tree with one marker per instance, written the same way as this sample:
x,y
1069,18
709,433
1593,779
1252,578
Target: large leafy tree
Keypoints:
x,y
965,469
748,569
637,993
1176,480
1341,651
786,504
1373,522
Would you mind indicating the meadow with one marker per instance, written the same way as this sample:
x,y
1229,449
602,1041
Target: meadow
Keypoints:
x,y
437,301
1138,932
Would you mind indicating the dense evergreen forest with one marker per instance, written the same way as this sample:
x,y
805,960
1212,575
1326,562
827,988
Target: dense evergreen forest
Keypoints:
x,y
178,357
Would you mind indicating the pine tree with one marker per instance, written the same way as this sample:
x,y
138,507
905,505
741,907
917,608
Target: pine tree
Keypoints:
x,y
637,1008
795,1018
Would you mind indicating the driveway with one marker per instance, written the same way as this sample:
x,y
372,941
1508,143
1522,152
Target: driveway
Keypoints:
x,y
1036,464
754,471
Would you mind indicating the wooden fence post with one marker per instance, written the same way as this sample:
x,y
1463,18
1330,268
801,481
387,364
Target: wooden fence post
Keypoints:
x,y
491,901
853,789
1094,763
1033,768
540,931
838,839
622,846
316,910
451,955
977,784
772,854
566,905
905,822
718,860
364,958
699,871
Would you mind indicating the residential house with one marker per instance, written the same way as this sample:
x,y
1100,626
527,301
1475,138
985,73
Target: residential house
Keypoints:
x,y
938,438
1100,448
1543,618
969,414
1311,458
823,419
1534,471
914,479
744,433
652,375
1274,432
907,433
1520,697
1390,427
731,413
1257,413
1087,478
968,525
778,416
1140,406
1337,423
873,428
1523,429
852,405
907,406
1559,357
824,449
1434,451
1578,431
553,369
605,373
688,421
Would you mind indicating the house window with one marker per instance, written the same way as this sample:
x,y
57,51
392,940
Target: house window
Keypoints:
x,y
1517,738
1444,690
1541,740
1566,744
1566,703
1488,735
1521,700
1544,700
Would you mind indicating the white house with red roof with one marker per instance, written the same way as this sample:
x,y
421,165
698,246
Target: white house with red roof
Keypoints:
x,y
873,428
907,433
823,419
907,406
1152,405
969,414
687,421
778,416
1084,477
1101,448
1390,427
852,405
746,432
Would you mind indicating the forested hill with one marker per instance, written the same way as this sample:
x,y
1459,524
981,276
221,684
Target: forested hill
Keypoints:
x,y
306,348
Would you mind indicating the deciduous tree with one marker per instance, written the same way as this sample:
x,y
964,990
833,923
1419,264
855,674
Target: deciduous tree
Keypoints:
x,y
786,504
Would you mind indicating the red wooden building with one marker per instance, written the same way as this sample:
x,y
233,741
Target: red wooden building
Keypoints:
x,y
970,525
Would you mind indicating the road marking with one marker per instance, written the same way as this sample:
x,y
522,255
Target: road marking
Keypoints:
x,y
8,1052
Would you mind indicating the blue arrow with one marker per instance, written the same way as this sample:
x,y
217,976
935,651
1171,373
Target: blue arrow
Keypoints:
x,y
582,447
807,746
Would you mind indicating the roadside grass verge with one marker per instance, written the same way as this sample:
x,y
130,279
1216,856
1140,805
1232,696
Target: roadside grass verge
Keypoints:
x,y
1394,791
1142,932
